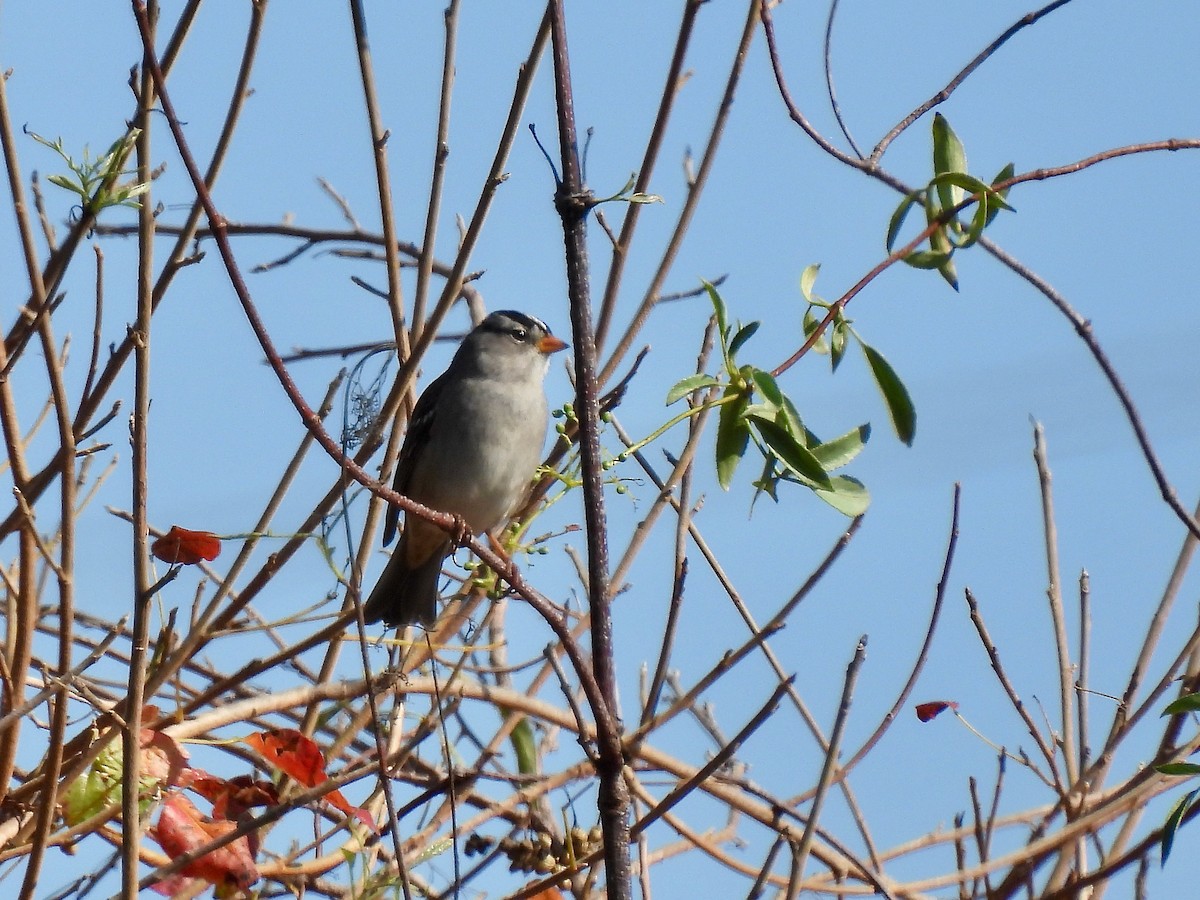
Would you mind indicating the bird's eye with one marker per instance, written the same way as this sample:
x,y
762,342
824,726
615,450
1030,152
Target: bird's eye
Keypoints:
x,y
519,334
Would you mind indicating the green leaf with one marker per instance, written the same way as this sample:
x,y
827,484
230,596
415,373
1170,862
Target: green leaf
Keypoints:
x,y
100,787
949,272
793,422
927,259
808,279
969,183
988,202
437,848
767,483
66,183
841,450
525,747
1174,818
978,222
810,324
898,217
733,435
837,343
761,411
722,313
895,395
639,197
790,451
719,308
948,156
1001,176
96,789
766,384
1179,769
685,386
744,334
1186,703
847,495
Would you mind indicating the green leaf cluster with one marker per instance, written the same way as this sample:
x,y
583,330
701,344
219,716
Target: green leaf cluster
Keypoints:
x,y
754,411
945,200
96,181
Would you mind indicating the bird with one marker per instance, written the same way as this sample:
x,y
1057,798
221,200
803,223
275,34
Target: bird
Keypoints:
x,y
473,444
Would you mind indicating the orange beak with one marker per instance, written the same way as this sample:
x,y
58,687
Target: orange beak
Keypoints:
x,y
550,344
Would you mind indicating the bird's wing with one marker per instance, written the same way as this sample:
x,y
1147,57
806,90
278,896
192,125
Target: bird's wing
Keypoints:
x,y
417,436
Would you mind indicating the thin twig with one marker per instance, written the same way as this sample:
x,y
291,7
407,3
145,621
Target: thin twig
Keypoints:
x,y
1062,644
668,640
379,140
944,94
1082,681
680,791
1010,691
829,88
831,755
441,152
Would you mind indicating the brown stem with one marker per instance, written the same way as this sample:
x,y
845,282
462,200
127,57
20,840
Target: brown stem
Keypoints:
x,y
379,140
573,202
139,438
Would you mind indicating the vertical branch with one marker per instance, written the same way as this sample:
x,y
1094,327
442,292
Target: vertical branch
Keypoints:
x,y
19,627
573,202
1054,595
1085,643
379,140
440,153
131,750
64,571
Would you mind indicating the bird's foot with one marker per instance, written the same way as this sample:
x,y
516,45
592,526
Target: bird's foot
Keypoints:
x,y
462,531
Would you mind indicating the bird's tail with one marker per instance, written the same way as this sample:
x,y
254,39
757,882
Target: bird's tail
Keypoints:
x,y
404,594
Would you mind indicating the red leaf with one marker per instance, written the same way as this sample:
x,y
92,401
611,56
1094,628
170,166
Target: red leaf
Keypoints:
x,y
292,753
231,797
340,803
181,828
180,545
296,755
934,708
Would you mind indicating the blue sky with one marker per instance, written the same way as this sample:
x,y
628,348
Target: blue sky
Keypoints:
x,y
1118,241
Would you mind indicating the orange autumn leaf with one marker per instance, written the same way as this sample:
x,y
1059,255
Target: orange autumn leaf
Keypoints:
x,y
934,708
186,547
181,828
297,756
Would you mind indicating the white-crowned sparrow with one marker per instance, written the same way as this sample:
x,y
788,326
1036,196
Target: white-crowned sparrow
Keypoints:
x,y
473,444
